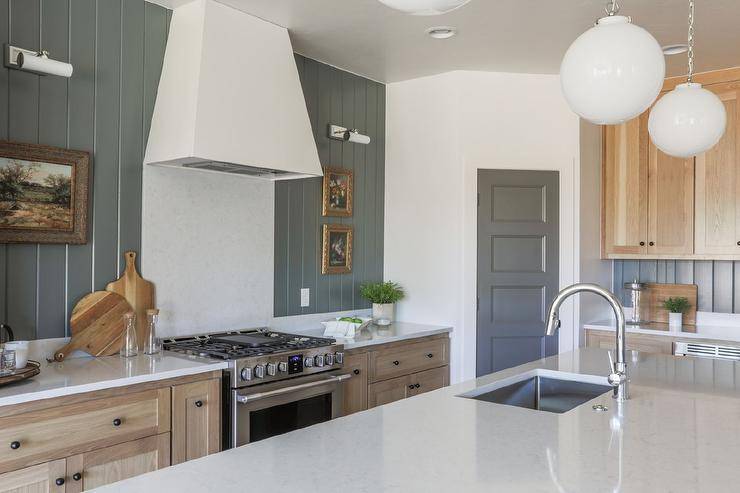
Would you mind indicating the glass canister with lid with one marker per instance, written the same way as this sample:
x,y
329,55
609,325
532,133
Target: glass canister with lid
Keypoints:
x,y
637,293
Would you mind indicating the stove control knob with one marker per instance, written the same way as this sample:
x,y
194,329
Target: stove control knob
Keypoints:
x,y
329,359
282,367
246,373
308,362
259,371
271,369
339,358
319,360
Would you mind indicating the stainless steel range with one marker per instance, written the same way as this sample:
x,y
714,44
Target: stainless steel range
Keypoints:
x,y
275,382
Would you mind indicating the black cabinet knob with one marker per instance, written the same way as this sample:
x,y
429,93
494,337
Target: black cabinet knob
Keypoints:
x,y
15,445
411,387
652,243
117,422
738,243
77,476
59,481
198,403
396,362
642,243
430,355
356,371
417,385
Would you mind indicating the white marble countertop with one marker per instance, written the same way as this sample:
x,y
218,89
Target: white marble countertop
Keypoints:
x,y
678,432
717,333
77,375
397,331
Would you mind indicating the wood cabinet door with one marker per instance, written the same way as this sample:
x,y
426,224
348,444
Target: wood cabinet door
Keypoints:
x,y
41,478
126,460
625,188
429,380
635,342
718,184
389,391
196,420
355,389
670,204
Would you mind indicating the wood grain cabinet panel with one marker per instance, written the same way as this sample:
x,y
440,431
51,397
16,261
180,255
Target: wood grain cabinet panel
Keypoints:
x,y
58,432
625,188
411,358
718,184
40,478
635,342
196,420
389,391
116,463
355,389
429,380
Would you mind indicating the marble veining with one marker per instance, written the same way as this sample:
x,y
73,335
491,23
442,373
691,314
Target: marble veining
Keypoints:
x,y
678,432
77,375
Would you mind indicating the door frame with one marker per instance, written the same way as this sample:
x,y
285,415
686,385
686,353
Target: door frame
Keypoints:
x,y
569,184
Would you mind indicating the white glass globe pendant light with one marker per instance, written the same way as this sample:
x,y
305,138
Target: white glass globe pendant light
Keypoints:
x,y
424,7
612,72
688,120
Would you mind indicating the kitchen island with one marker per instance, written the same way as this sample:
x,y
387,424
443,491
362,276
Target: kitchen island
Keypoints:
x,y
678,432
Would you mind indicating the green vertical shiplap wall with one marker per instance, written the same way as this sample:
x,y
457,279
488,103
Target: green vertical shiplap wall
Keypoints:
x,y
116,48
332,96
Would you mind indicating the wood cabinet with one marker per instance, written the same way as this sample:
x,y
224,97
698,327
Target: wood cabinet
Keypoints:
x,y
355,389
196,411
391,372
635,342
82,441
41,478
657,206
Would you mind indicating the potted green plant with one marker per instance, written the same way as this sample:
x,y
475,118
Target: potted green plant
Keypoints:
x,y
676,308
383,296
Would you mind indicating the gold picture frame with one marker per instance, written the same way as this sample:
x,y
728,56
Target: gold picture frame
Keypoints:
x,y
336,249
337,192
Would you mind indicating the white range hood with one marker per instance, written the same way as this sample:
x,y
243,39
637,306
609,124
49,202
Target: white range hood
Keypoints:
x,y
229,98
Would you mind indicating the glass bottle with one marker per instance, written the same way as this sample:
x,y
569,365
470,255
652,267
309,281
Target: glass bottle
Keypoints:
x,y
130,345
153,344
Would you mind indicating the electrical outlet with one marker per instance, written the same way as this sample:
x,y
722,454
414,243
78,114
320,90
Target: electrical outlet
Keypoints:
x,y
305,297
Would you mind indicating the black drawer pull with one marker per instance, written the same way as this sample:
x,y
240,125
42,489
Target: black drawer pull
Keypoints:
x,y
396,362
198,403
652,243
356,371
411,387
738,243
59,481
430,355
15,445
642,243
117,422
77,476
417,385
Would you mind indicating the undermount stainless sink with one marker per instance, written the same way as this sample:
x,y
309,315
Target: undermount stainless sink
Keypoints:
x,y
542,390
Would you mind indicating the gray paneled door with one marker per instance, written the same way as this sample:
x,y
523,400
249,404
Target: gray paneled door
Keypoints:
x,y
518,267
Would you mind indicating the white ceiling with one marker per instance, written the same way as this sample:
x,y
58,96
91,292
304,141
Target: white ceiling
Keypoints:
x,y
367,38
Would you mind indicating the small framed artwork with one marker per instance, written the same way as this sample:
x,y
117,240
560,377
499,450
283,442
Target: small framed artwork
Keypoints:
x,y
336,251
337,192
43,194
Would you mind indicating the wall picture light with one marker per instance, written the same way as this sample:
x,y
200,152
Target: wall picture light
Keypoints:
x,y
37,62
348,135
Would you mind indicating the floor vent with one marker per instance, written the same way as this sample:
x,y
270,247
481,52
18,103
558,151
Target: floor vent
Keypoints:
x,y
702,350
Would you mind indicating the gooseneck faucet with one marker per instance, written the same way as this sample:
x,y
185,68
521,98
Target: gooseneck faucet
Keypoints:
x,y
618,374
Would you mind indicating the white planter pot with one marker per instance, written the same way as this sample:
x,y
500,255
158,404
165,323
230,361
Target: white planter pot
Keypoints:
x,y
675,321
383,313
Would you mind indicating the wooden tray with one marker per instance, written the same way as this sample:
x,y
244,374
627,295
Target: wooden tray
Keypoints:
x,y
32,369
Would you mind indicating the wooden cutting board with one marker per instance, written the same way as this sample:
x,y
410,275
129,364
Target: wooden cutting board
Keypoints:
x,y
97,325
138,292
657,293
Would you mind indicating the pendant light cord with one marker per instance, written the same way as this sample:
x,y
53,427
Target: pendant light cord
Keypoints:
x,y
612,7
691,41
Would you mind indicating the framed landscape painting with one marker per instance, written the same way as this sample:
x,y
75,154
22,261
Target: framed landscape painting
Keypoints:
x,y
43,194
336,251
337,192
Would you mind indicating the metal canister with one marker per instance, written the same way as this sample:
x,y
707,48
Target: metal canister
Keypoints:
x,y
640,307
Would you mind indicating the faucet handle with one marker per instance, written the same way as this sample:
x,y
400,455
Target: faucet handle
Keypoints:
x,y
616,377
612,367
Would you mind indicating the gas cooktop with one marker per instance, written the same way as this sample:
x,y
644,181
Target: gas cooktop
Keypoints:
x,y
243,344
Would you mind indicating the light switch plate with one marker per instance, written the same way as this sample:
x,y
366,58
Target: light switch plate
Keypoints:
x,y
305,297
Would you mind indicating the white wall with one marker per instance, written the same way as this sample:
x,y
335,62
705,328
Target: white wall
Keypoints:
x,y
440,131
207,242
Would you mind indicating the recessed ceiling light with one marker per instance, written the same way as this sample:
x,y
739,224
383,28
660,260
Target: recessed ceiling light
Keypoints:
x,y
441,32
677,49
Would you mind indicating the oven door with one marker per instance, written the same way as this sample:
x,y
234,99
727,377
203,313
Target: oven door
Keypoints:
x,y
272,409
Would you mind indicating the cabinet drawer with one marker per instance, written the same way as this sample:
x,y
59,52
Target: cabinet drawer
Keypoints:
x,y
39,436
399,388
429,380
408,359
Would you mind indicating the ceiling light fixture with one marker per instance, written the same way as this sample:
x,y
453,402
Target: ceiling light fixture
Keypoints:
x,y
688,120
677,49
441,32
612,72
424,7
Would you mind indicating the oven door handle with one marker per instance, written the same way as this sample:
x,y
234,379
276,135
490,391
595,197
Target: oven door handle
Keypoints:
x,y
244,399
